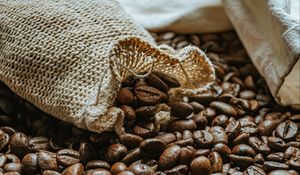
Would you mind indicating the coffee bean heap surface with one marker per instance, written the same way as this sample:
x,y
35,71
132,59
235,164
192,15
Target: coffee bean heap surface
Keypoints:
x,y
234,128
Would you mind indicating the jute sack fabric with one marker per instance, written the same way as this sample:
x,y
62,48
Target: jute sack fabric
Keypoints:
x,y
69,58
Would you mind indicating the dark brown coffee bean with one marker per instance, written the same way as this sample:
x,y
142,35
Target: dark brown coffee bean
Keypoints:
x,y
179,169
47,161
224,108
241,138
203,139
276,143
247,94
132,156
141,169
130,140
19,144
117,168
291,152
170,81
186,142
30,164
155,81
147,95
125,96
203,98
180,109
126,173
17,167
169,157
166,137
187,154
94,164
87,152
50,172
97,171
181,125
266,127
219,135
270,166
128,112
287,130
115,152
280,172
222,149
243,150
12,158
220,120
10,131
145,112
259,159
248,127
200,165
76,169
294,163
67,157
4,139
152,147
233,128
254,170
216,162
197,107
241,161
146,130
259,146
39,143
277,157
200,120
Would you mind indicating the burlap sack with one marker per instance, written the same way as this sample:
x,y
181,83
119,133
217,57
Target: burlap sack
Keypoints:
x,y
69,57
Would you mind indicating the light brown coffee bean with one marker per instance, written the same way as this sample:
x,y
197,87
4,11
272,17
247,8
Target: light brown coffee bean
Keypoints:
x,y
47,160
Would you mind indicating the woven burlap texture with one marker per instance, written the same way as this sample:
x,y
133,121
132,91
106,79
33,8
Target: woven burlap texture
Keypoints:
x,y
69,57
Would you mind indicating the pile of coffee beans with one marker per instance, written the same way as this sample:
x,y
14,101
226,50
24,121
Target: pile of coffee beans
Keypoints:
x,y
234,128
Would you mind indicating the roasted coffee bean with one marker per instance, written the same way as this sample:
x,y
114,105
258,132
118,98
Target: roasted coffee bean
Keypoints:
x,y
202,152
241,138
3,159
233,128
10,131
181,125
50,172
266,127
170,81
152,147
169,157
287,130
280,172
30,164
187,134
67,157
87,152
241,161
243,150
220,120
203,139
200,120
126,173
15,167
146,130
248,127
115,152
180,109
12,158
270,166
155,81
222,149
276,143
224,108
197,107
97,171
203,98
130,140
219,135
94,164
187,154
39,143
128,112
47,160
216,162
147,95
141,169
294,163
277,157
247,94
200,165
76,169
19,144
254,170
259,146
145,112
4,139
291,152
125,96
132,156
179,169
276,116
259,159
117,168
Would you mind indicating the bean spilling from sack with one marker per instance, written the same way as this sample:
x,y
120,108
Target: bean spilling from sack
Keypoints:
x,y
234,128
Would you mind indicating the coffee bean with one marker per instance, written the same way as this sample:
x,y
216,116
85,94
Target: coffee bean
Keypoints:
x,y
277,157
146,130
125,96
117,168
126,173
39,143
3,159
179,169
203,98
115,152
197,107
4,139
152,147
169,157
128,112
155,81
287,130
97,171
19,144
166,137
220,120
30,164
147,95
266,127
248,127
132,156
243,150
17,167
200,165
12,158
291,152
216,162
130,140
254,170
294,163
145,112
170,81
87,152
76,169
181,125
233,128
280,172
203,139
241,138
200,120
47,160
219,135
94,164
247,94
276,143
50,172
187,154
259,146
222,149
141,169
241,161
270,166
67,157
224,108
259,159
180,109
